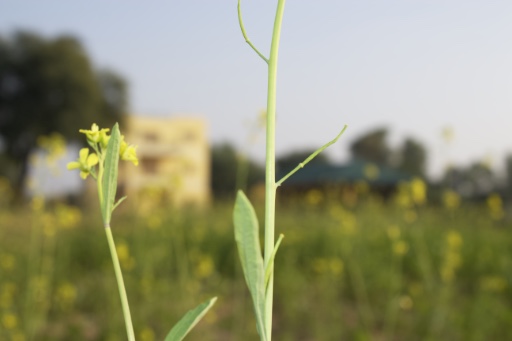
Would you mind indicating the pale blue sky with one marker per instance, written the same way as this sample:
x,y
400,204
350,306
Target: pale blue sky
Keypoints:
x,y
414,66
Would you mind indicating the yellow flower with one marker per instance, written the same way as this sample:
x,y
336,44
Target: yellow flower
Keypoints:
x,y
103,139
400,248
94,134
371,171
85,162
418,191
495,205
451,199
128,153
9,321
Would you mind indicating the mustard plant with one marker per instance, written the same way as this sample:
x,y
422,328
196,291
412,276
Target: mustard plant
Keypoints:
x,y
102,165
258,270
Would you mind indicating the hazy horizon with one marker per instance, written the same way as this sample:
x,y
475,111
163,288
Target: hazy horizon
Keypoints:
x,y
413,67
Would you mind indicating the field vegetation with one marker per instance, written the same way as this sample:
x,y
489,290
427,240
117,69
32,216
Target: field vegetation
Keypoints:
x,y
351,267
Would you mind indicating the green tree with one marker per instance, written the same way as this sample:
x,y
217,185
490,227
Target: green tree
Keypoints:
x,y
46,86
412,158
372,147
225,164
474,181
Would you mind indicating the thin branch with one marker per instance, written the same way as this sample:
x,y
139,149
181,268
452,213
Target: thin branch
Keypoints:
x,y
311,157
245,34
270,265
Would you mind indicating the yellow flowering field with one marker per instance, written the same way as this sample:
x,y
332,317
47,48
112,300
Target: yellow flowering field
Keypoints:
x,y
350,268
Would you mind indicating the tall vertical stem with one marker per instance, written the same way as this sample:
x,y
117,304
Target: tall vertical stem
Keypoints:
x,y
270,171
120,285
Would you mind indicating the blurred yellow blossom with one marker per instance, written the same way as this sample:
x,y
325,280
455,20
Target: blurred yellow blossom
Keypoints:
x,y
66,295
362,187
9,321
371,171
405,302
454,240
451,199
67,216
393,232
400,247
333,266
495,205
410,216
154,221
411,193
7,294
204,267
493,284
314,197
452,257
128,153
347,220
37,203
146,334
17,335
418,191
53,145
123,253
7,261
448,134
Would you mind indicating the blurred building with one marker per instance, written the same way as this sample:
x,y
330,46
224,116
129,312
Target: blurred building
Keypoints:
x,y
173,158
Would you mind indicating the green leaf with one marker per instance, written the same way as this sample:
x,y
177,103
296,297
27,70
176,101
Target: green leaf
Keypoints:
x,y
189,320
249,250
109,181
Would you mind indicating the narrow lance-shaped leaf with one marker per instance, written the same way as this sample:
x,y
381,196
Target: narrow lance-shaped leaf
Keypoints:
x,y
249,250
189,320
109,181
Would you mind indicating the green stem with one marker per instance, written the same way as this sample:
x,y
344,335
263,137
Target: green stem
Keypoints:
x,y
270,170
247,40
120,285
311,157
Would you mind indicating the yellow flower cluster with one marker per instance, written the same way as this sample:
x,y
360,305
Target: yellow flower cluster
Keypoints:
x,y
411,193
332,266
495,205
399,246
451,199
98,140
452,258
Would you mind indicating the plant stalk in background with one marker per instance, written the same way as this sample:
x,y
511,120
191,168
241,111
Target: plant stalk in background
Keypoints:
x,y
259,272
102,165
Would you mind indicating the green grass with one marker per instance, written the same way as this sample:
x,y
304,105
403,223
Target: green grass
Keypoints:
x,y
338,278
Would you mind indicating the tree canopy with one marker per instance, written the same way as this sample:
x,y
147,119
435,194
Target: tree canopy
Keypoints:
x,y
372,147
412,158
231,171
49,85
292,159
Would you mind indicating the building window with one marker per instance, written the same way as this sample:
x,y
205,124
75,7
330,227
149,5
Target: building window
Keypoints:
x,y
150,137
189,136
149,165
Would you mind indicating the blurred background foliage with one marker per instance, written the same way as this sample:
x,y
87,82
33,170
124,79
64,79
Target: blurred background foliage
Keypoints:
x,y
49,86
351,267
429,260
